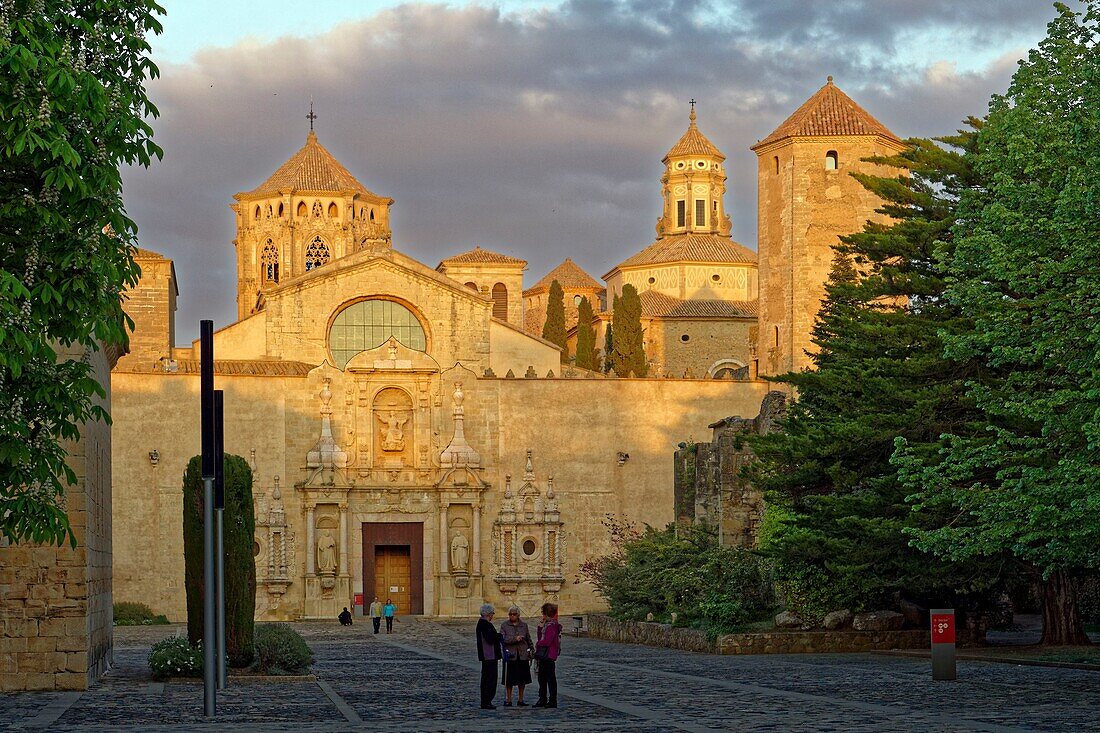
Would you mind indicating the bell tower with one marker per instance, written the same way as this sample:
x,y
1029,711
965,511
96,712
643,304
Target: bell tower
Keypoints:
x,y
311,211
693,186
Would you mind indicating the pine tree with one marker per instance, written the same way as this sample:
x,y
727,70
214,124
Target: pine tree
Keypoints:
x,y
240,567
839,513
554,328
1025,269
628,352
586,336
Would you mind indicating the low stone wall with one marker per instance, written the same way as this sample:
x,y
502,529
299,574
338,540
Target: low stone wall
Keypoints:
x,y
760,642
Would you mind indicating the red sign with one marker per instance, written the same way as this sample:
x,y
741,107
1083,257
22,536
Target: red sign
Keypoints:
x,y
943,628
358,599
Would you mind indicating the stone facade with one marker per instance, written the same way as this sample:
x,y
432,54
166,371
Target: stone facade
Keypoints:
x,y
709,486
407,435
55,602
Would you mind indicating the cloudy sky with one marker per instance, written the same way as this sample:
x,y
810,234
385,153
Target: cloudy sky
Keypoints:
x,y
528,128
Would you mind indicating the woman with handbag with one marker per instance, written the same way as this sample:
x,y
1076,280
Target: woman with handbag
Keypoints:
x,y
517,660
547,650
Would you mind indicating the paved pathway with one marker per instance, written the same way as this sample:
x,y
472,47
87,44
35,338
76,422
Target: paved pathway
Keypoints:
x,y
424,678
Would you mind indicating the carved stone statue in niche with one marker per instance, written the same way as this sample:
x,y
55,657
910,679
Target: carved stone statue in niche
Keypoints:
x,y
326,553
393,437
460,553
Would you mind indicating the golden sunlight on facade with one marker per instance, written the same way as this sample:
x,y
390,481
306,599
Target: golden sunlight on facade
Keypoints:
x,y
410,433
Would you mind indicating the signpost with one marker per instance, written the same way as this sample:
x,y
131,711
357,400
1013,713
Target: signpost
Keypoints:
x,y
943,643
206,401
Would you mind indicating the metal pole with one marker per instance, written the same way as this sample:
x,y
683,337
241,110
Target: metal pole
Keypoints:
x,y
209,682
206,402
219,512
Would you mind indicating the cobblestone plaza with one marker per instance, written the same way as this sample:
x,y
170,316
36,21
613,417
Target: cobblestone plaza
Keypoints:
x,y
424,677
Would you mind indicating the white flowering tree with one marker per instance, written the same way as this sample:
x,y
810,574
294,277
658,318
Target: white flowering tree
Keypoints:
x,y
72,111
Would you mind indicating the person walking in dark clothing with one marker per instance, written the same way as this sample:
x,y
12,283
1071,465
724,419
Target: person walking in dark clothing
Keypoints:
x,y
488,652
547,649
388,611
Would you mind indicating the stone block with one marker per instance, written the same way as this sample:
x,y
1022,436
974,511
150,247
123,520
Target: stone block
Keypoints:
x,y
71,681
788,620
73,643
40,681
878,621
42,644
838,620
76,662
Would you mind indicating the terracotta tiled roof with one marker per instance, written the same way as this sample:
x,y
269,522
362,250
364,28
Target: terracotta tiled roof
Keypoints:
x,y
311,169
694,143
248,367
659,305
828,112
691,248
569,275
478,255
147,254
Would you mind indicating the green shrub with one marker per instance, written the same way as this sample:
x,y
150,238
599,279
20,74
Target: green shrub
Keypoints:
x,y
683,570
175,657
240,567
137,614
281,650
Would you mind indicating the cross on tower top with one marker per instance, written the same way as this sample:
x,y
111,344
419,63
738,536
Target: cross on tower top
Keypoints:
x,y
311,117
692,115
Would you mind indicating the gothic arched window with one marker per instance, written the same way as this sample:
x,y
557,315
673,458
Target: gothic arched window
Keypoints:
x,y
500,302
316,253
302,209
333,211
269,259
370,323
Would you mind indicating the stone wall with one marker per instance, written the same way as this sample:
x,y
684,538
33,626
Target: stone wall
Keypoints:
x,y
55,602
763,642
708,483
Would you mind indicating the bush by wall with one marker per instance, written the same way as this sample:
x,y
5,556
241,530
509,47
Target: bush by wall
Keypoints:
x,y
137,614
281,650
175,657
682,570
240,568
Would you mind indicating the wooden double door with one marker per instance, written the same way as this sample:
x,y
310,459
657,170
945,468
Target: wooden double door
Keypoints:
x,y
393,564
393,575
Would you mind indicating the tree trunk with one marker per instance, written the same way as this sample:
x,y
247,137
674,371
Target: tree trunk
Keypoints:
x,y
1061,620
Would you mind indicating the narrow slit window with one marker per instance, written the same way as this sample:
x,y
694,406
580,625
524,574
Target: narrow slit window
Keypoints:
x,y
681,213
775,159
700,212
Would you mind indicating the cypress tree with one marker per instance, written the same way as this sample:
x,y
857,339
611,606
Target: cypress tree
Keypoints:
x,y
240,567
629,355
839,517
608,345
554,328
1025,269
586,336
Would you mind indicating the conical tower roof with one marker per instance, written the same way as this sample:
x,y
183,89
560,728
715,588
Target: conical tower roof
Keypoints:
x,y
313,168
693,142
828,112
569,275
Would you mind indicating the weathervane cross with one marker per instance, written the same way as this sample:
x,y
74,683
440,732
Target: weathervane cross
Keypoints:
x,y
311,117
693,105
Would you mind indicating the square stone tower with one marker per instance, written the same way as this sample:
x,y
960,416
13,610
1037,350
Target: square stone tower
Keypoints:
x,y
808,199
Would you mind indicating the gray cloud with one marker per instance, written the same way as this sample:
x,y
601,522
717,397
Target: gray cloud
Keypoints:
x,y
540,134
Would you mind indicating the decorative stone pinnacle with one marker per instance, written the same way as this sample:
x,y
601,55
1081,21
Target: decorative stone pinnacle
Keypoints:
x,y
275,493
459,452
508,486
528,468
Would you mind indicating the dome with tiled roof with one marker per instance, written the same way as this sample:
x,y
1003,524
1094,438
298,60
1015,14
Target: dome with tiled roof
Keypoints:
x,y
477,255
708,248
829,112
661,305
693,142
313,168
569,275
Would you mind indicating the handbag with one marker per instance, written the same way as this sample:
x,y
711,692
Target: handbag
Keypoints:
x,y
542,653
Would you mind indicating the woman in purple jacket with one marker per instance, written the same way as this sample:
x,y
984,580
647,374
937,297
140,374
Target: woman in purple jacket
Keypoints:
x,y
547,650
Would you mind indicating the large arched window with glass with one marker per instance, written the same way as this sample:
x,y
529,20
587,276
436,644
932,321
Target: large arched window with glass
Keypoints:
x,y
370,323
316,253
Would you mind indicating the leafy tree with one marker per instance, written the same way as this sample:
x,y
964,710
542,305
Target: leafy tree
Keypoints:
x,y
628,355
839,511
1025,269
240,568
72,109
587,358
554,328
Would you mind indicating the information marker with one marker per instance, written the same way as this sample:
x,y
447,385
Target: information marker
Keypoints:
x,y
943,644
219,528
206,402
